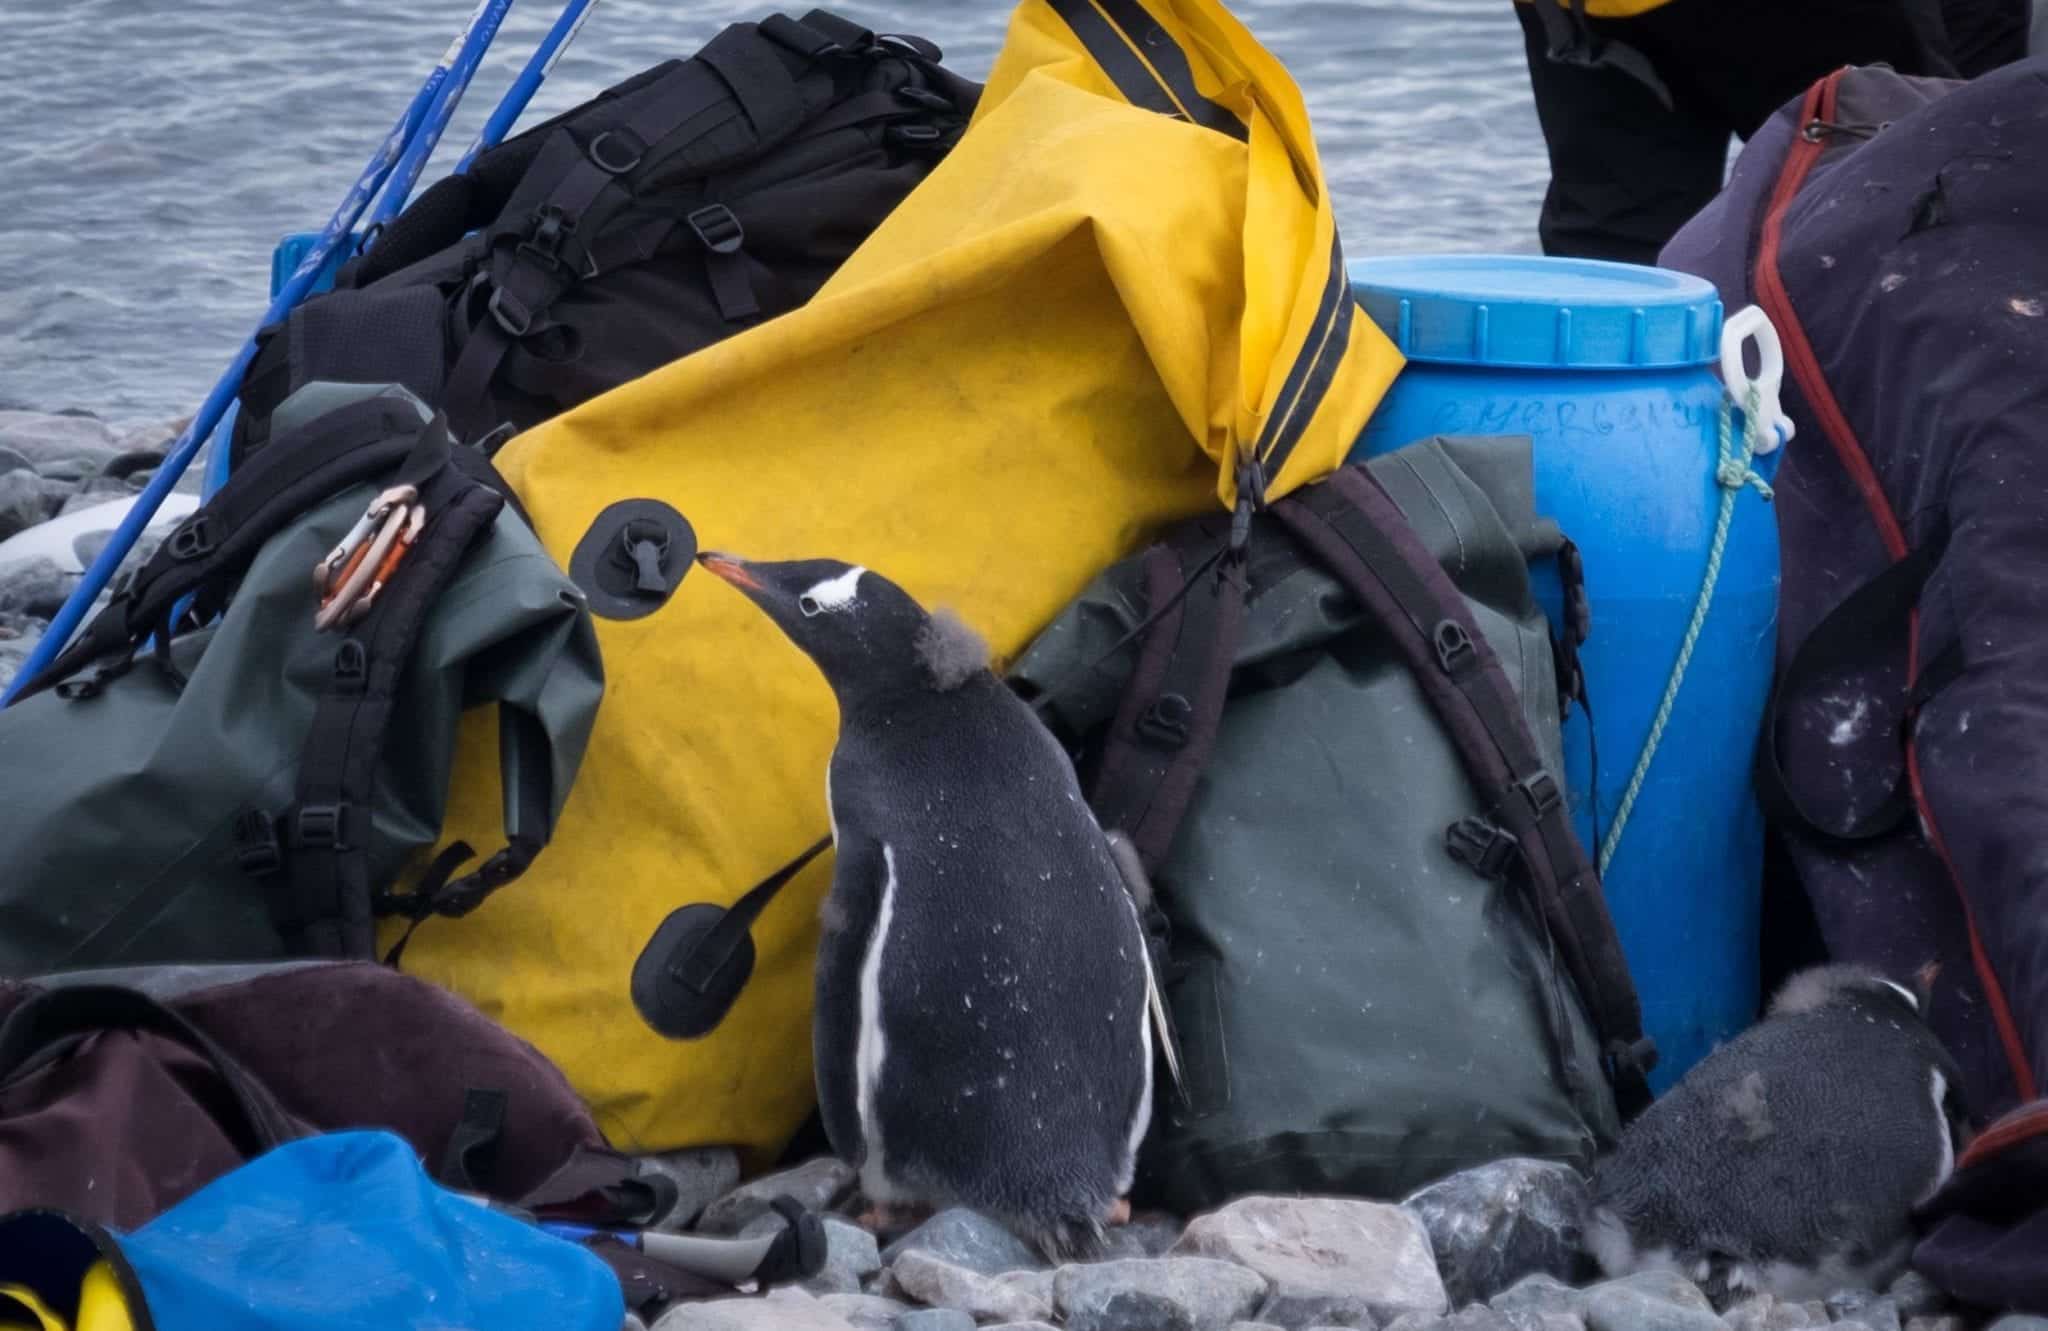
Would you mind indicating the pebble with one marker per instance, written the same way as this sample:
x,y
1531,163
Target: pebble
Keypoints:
x,y
1932,1322
1762,1312
34,587
864,1312
1538,1296
941,1284
933,1319
1195,1293
1873,1310
815,1184
1478,1317
967,1238
701,1176
1149,1234
2019,1322
1917,1296
1493,1225
779,1310
41,438
1618,1307
1355,1256
1021,1326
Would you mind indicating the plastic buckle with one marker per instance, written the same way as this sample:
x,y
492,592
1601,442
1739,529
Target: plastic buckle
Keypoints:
x,y
74,690
194,538
628,158
1542,792
351,664
509,312
321,827
1167,720
551,226
257,849
717,228
1454,650
1481,845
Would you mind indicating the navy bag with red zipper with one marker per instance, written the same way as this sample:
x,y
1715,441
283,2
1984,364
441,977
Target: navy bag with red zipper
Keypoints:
x,y
1896,232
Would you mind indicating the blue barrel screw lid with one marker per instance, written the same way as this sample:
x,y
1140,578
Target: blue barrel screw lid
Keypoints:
x,y
1530,312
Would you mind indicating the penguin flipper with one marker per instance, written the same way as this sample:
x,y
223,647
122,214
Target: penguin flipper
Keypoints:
x,y
1132,869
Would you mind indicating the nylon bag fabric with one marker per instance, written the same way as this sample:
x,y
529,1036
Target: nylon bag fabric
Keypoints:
x,y
1905,761
126,790
342,1232
1317,929
1120,290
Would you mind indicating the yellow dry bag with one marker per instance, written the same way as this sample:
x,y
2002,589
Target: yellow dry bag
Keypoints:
x,y
1120,291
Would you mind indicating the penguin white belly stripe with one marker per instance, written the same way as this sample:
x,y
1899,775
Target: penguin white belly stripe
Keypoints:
x,y
868,1057
1948,1146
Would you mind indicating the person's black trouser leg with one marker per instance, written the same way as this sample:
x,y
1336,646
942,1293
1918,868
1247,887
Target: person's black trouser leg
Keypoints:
x,y
1625,172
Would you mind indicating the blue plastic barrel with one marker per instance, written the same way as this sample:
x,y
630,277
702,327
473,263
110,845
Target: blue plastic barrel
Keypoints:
x,y
1610,369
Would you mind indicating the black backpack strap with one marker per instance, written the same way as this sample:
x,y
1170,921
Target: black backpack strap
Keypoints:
x,y
1359,534
52,1019
206,553
738,95
1165,726
323,905
1877,614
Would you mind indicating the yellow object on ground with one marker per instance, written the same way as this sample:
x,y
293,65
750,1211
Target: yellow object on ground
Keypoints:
x,y
1122,282
1613,8
101,1305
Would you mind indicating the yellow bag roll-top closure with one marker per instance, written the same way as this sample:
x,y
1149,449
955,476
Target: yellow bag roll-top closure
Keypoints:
x,y
1123,281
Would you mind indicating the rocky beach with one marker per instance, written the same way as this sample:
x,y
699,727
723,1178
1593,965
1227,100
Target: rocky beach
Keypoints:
x,y
1497,1248
75,467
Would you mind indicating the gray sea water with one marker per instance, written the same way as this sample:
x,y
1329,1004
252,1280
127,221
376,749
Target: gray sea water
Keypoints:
x,y
153,151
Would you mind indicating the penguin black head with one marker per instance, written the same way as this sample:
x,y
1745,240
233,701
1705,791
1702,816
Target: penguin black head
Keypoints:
x,y
865,633
1827,986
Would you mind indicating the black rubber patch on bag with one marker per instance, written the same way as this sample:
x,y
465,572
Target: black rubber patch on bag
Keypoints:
x,y
633,558
687,978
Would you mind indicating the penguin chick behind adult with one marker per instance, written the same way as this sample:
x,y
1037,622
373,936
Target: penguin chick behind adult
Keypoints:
x,y
1789,1160
981,1031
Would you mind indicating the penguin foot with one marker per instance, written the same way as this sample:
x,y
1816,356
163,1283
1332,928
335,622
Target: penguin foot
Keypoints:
x,y
892,1218
1120,1213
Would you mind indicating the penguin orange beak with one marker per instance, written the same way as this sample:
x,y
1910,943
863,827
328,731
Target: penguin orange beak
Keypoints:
x,y
732,569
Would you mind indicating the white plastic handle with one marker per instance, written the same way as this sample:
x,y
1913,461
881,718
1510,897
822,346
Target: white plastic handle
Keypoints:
x,y
1775,427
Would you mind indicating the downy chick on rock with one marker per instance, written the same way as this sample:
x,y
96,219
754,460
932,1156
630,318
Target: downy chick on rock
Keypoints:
x,y
984,998
1790,1159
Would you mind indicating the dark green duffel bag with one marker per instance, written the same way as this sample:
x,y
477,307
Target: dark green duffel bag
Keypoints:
x,y
255,788
1388,958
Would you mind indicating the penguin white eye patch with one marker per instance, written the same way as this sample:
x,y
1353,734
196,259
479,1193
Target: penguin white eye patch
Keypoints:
x,y
831,594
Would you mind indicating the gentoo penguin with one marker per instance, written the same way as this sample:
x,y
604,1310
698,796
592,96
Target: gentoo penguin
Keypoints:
x,y
1789,1161
984,997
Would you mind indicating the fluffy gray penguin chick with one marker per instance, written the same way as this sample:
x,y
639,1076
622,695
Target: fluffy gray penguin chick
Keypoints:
x,y
983,987
1790,1159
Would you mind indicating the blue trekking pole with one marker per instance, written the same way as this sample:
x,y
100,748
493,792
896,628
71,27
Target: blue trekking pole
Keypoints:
x,y
454,83
337,229
538,66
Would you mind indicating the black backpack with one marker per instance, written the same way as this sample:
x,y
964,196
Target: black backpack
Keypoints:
x,y
686,203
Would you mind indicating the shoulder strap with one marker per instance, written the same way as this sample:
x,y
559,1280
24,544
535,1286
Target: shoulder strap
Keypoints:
x,y
740,94
44,1023
206,553
1359,534
1165,726
324,903
1877,614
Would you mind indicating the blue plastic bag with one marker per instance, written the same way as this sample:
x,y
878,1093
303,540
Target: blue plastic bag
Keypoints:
x,y
341,1232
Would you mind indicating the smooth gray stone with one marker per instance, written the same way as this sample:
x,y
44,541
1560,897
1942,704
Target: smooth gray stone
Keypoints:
x,y
815,1184
967,1238
1493,1225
